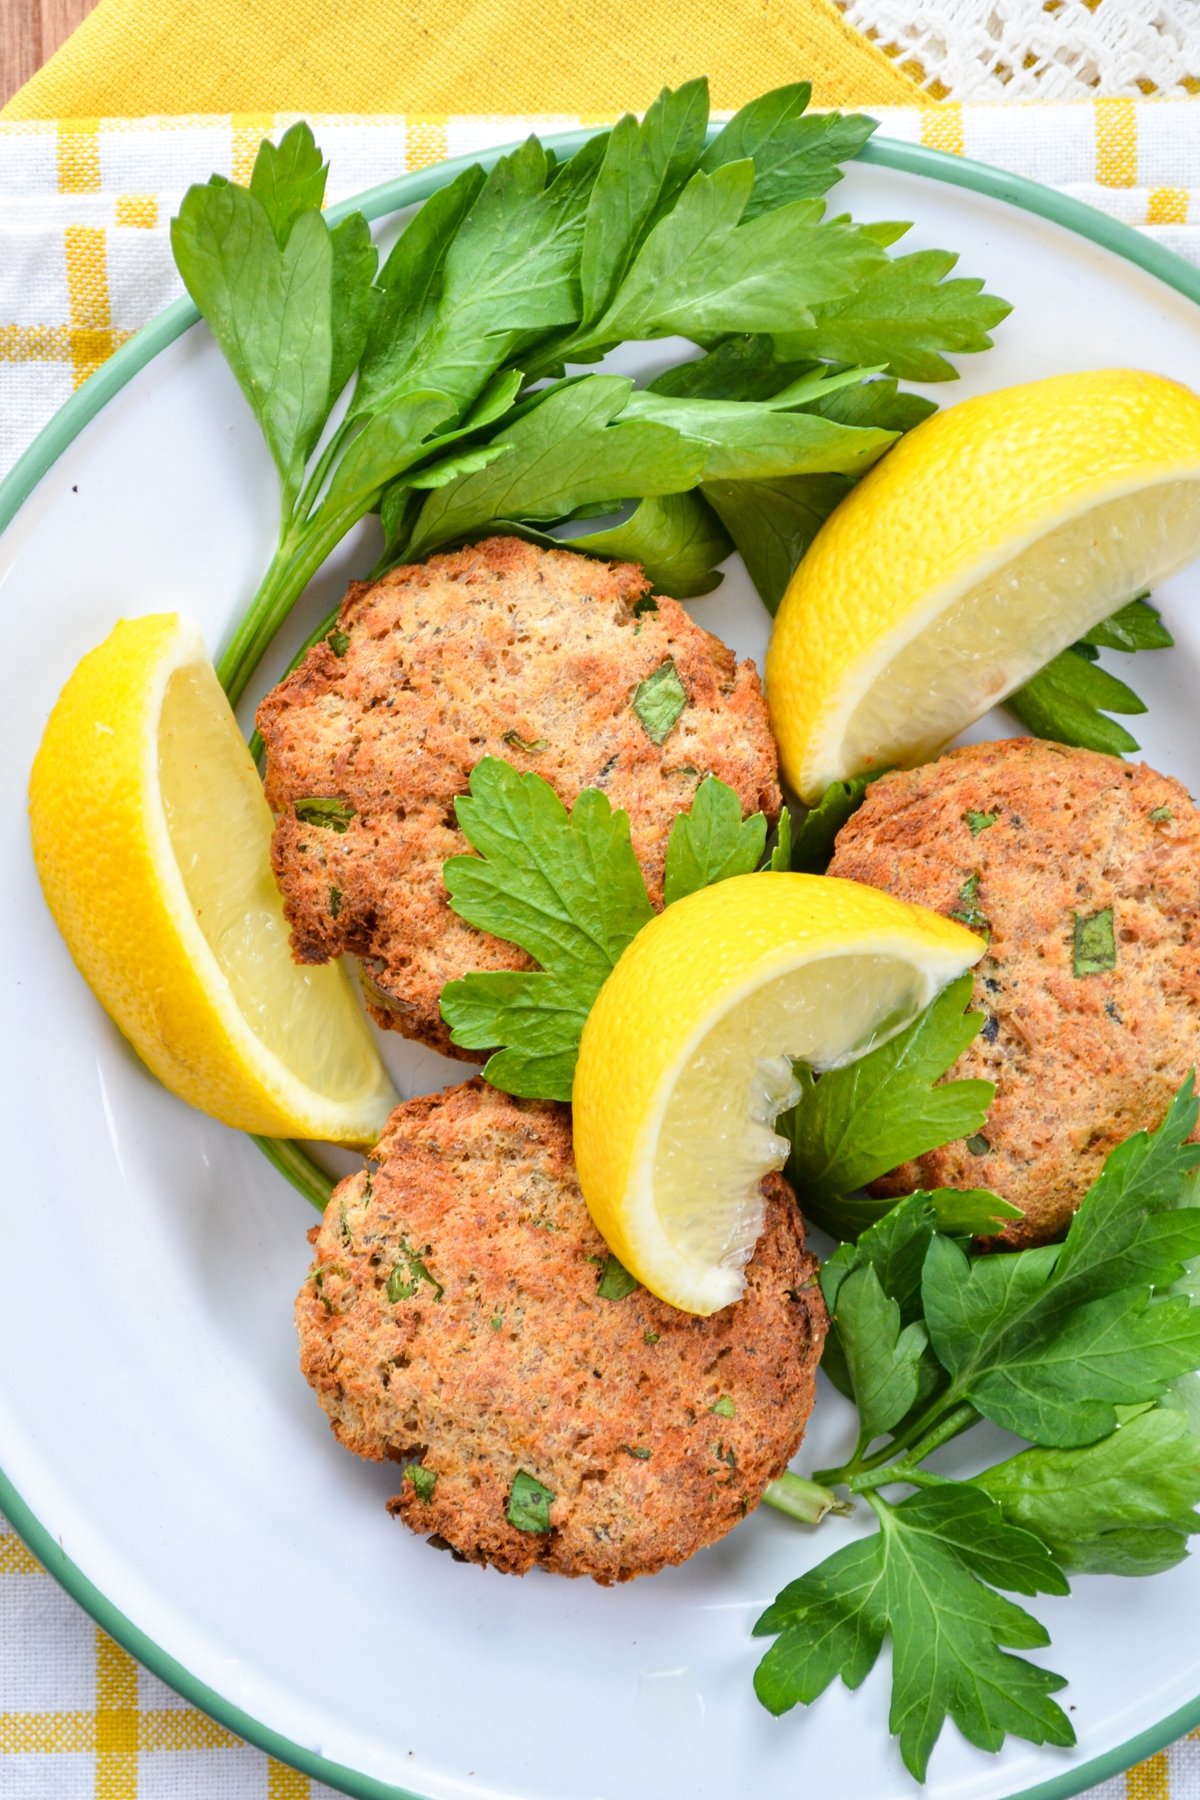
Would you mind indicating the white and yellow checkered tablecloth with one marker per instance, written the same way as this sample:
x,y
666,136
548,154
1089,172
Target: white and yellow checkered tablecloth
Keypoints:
x,y
85,206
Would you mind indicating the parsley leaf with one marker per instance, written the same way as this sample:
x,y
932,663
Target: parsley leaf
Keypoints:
x,y
1095,946
772,523
796,154
616,1283
856,1123
676,537
1068,699
659,701
751,440
927,1579
325,810
566,452
529,1503
712,841
1049,1343
1121,1506
812,847
568,890
902,316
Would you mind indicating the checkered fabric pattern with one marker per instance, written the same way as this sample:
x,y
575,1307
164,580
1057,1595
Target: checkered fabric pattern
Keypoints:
x,y
85,206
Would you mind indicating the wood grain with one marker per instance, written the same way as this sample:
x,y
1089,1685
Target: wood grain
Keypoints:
x,y
30,31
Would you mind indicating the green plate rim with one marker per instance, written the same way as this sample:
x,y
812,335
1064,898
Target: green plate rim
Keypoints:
x,y
50,444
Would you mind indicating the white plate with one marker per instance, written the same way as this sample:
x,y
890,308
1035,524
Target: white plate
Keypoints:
x,y
163,1454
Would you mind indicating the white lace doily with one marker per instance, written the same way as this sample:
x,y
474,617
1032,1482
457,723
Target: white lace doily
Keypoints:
x,y
1038,49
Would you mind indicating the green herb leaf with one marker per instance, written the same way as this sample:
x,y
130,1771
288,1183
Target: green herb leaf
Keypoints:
x,y
354,297
780,860
882,1360
1067,701
563,454
1121,1506
568,891
1094,946
1050,1342
702,274
529,1503
772,523
424,1480
724,1407
894,1248
712,841
325,810
409,1273
270,310
338,641
927,1579
813,844
288,178
902,316
796,154
644,167
659,700
761,441
979,821
677,539
616,1283
856,1123
1135,626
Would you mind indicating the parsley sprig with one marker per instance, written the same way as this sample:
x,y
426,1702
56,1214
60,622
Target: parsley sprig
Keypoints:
x,y
1074,1347
409,388
568,890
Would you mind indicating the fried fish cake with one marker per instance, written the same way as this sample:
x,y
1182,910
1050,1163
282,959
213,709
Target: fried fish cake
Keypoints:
x,y
464,1320
1081,870
502,650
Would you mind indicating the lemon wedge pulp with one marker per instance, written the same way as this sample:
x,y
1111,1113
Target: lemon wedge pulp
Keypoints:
x,y
685,1059
152,839
992,536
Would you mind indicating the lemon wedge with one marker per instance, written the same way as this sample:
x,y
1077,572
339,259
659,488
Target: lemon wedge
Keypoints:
x,y
990,538
685,1059
152,839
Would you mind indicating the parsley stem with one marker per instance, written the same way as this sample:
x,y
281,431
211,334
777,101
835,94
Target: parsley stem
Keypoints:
x,y
935,1426
801,1499
293,566
957,1420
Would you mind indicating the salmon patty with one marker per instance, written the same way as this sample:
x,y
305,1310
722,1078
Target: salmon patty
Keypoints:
x,y
464,1320
498,650
1082,872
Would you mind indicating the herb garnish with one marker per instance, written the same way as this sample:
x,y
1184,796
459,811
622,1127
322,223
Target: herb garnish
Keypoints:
x,y
659,700
529,1503
567,888
1068,699
330,813
856,1123
502,277
616,1283
979,821
724,1407
410,1272
1072,1346
424,1480
1094,949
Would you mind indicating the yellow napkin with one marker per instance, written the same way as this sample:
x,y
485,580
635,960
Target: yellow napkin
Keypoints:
x,y
134,57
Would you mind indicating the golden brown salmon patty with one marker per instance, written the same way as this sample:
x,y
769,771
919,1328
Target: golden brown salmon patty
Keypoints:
x,y
499,650
463,1319
1084,870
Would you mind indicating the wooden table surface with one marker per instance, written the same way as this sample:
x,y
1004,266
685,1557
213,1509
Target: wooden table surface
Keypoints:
x,y
30,31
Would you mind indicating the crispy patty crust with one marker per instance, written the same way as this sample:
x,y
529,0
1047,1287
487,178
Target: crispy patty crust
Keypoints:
x,y
456,1322
1035,843
498,650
